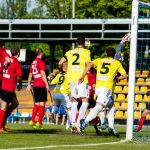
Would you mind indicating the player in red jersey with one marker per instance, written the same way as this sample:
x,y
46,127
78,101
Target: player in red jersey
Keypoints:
x,y
11,76
4,58
40,87
144,114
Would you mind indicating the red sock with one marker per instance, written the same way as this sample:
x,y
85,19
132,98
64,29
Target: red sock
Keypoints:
x,y
77,114
141,122
34,112
95,121
41,114
2,117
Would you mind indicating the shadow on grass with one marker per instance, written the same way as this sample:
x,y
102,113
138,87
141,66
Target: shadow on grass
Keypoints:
x,y
35,131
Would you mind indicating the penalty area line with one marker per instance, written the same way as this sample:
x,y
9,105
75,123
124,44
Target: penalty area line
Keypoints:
x,y
56,146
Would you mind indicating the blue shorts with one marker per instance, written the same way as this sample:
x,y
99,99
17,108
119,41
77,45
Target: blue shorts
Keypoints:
x,y
61,110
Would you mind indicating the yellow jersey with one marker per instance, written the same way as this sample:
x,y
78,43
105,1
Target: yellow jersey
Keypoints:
x,y
61,83
107,69
77,59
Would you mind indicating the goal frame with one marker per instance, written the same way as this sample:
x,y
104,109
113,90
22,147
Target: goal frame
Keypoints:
x,y
136,5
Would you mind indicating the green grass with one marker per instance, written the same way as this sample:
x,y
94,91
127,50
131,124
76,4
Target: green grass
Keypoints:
x,y
21,135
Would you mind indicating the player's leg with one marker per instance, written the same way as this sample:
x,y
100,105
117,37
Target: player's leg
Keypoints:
x,y
6,99
102,101
35,107
42,98
74,96
13,105
111,116
103,120
57,118
142,119
83,92
68,110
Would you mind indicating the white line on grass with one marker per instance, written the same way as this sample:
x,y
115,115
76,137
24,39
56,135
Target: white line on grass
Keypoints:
x,y
55,146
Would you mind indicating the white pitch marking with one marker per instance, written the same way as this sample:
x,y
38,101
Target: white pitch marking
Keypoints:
x,y
55,146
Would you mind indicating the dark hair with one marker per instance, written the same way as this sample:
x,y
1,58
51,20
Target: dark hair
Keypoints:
x,y
81,40
111,52
39,51
1,42
15,51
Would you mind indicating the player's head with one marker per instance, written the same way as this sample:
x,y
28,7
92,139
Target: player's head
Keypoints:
x,y
111,52
39,52
81,40
15,51
1,43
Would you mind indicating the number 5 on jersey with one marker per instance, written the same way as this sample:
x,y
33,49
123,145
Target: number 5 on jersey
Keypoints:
x,y
105,68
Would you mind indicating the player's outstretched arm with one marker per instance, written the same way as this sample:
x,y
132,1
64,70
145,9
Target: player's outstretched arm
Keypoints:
x,y
87,68
122,77
121,45
29,82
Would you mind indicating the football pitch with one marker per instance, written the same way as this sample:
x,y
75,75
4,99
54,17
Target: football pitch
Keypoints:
x,y
22,136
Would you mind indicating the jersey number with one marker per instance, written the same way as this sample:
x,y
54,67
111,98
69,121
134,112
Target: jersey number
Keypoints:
x,y
61,80
75,62
105,67
35,71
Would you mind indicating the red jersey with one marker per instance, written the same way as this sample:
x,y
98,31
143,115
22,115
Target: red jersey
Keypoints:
x,y
3,55
36,67
10,75
91,81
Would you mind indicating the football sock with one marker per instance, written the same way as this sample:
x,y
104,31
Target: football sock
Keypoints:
x,y
34,112
8,112
141,122
41,114
111,115
73,111
2,117
82,111
69,115
95,121
93,113
77,115
102,117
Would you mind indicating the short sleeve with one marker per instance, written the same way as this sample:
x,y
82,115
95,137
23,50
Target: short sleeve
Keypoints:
x,y
66,56
88,56
42,66
5,54
19,70
95,62
121,69
55,80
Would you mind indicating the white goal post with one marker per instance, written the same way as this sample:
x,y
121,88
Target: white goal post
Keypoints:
x,y
132,64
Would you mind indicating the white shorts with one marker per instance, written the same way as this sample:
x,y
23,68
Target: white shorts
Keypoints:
x,y
104,96
79,90
62,99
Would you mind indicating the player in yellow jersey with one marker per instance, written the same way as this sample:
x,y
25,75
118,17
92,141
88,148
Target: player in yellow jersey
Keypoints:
x,y
107,69
77,60
61,92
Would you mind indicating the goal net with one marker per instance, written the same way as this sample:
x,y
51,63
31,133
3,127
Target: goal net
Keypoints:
x,y
139,64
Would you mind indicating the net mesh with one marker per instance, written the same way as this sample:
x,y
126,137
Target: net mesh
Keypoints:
x,y
143,66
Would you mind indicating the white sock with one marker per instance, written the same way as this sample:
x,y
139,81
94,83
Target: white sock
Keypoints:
x,y
69,117
74,111
111,115
82,111
102,117
93,113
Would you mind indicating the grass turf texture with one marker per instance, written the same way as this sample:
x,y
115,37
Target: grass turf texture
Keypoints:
x,y
22,135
